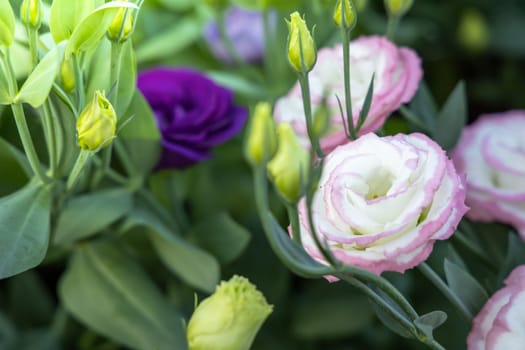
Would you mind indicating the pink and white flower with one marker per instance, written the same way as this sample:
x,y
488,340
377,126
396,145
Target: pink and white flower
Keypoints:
x,y
397,76
491,152
500,323
382,202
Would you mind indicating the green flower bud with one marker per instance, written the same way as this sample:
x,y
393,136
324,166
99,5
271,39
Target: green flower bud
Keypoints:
x,y
345,7
301,46
31,13
290,166
473,32
67,74
261,138
96,124
123,21
398,7
7,23
360,4
229,319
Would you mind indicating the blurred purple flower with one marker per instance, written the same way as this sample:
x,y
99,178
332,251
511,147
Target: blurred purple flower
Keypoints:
x,y
192,112
246,31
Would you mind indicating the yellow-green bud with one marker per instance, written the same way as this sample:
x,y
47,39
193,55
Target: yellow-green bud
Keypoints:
x,y
123,21
473,32
7,23
301,45
360,4
31,13
345,7
261,138
67,74
398,7
290,166
230,318
96,124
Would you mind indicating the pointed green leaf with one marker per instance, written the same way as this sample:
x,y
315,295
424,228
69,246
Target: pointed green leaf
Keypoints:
x,y
24,232
366,104
15,168
127,78
5,98
87,214
192,264
424,107
93,27
110,293
37,86
466,287
428,322
452,118
7,23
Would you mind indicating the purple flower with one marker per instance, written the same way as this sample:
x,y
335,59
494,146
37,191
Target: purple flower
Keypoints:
x,y
192,112
245,30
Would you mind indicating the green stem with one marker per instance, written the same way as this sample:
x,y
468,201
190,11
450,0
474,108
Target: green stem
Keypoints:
x,y
51,137
27,142
293,216
307,106
33,44
433,277
81,162
348,90
393,22
79,83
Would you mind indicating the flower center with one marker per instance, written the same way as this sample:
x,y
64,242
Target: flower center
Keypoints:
x,y
379,183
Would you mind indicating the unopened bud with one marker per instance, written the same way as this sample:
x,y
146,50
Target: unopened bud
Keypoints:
x,y
398,7
97,124
31,13
67,74
7,23
230,318
290,166
261,138
122,26
301,46
346,8
473,32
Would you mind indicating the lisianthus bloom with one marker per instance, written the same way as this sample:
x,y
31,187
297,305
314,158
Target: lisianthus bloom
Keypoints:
x,y
491,152
246,31
382,202
397,76
193,114
499,325
230,318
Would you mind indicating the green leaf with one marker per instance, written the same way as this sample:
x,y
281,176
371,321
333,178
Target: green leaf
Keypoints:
x,y
15,168
98,71
37,86
424,107
428,322
65,15
7,23
5,98
515,256
110,293
162,45
238,84
467,289
390,322
222,236
88,214
452,118
127,78
141,136
366,104
93,27
195,266
24,233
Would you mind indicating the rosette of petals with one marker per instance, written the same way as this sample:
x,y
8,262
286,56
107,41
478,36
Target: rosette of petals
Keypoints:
x,y
382,202
397,75
499,325
491,152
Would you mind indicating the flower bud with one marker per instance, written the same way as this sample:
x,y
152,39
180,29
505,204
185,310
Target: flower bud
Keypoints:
x,y
122,26
261,138
97,124
398,7
301,46
473,32
229,319
31,13
7,23
67,74
289,168
345,7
